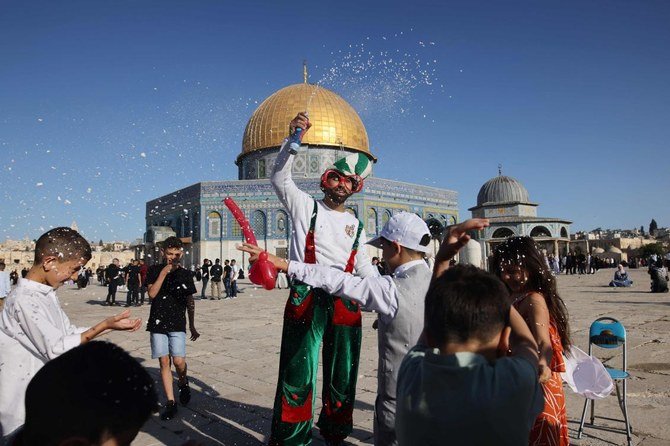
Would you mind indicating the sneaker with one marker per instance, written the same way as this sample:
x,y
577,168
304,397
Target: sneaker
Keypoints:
x,y
184,393
170,411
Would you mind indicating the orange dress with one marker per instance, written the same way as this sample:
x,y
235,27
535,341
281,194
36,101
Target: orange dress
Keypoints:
x,y
551,426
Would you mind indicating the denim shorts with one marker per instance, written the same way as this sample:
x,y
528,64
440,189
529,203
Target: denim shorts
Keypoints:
x,y
173,344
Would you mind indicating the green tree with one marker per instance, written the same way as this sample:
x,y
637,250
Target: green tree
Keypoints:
x,y
653,226
100,243
654,248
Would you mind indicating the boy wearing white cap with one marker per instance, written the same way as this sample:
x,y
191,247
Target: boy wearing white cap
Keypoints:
x,y
398,299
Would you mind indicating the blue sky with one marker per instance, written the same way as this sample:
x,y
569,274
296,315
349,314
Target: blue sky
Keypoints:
x,y
107,104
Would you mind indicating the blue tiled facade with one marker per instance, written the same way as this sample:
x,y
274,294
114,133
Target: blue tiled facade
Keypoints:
x,y
198,212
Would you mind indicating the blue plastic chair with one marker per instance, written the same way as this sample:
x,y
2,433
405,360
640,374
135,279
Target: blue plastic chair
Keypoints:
x,y
607,332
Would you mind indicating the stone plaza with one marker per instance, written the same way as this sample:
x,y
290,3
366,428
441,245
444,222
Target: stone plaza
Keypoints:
x,y
233,366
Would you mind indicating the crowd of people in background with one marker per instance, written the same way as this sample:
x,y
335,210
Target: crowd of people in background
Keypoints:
x,y
216,274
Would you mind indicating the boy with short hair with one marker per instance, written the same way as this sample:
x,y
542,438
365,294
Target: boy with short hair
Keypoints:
x,y
85,397
398,299
457,385
171,291
33,327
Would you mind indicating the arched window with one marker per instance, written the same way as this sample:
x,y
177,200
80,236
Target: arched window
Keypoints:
x,y
564,232
282,225
214,225
540,231
372,222
503,233
352,211
259,224
261,169
237,229
435,227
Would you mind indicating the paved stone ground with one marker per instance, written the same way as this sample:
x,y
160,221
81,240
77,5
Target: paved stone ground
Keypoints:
x,y
233,366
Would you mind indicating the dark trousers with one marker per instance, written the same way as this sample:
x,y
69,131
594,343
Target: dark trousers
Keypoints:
x,y
233,288
226,284
204,287
143,290
133,293
111,292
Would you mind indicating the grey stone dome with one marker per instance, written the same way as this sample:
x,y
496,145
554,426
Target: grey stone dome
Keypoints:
x,y
502,189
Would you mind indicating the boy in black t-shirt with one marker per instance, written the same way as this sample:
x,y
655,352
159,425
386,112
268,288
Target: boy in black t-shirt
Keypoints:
x,y
171,291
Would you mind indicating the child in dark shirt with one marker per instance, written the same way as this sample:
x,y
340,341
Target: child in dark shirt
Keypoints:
x,y
171,291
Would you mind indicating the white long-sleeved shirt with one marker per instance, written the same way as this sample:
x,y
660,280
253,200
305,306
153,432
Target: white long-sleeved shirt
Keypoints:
x,y
335,231
33,330
5,284
378,294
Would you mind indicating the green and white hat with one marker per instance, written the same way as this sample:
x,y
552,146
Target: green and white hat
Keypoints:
x,y
354,164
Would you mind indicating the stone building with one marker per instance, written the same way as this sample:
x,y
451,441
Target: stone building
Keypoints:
x,y
506,203
197,214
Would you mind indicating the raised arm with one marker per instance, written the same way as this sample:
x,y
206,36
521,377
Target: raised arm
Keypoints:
x,y
456,238
155,287
282,181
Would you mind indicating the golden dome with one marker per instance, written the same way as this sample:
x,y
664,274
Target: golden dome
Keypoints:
x,y
334,122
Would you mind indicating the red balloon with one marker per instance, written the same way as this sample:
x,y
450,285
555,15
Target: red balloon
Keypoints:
x,y
263,272
249,236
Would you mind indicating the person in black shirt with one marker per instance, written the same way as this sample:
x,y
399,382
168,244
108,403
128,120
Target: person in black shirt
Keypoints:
x,y
171,290
133,283
205,277
216,271
14,277
112,274
226,276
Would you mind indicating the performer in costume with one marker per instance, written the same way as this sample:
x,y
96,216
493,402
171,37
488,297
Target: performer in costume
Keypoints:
x,y
323,233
